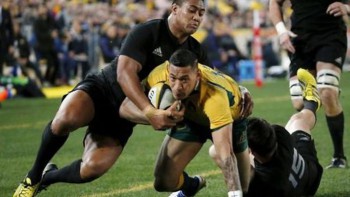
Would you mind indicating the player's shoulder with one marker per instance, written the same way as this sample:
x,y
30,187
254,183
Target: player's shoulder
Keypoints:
x,y
151,26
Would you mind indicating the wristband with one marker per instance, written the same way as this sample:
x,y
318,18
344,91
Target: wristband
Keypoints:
x,y
280,28
237,193
148,111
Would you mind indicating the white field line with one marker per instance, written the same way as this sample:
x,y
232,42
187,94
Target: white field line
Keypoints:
x,y
142,186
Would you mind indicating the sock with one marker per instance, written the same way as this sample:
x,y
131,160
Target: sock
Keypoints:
x,y
50,144
336,129
311,105
68,174
189,188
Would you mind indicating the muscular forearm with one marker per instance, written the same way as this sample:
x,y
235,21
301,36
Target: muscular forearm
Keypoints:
x,y
231,175
129,111
129,81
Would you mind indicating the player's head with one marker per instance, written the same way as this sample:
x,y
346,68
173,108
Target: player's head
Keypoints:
x,y
184,75
261,137
187,15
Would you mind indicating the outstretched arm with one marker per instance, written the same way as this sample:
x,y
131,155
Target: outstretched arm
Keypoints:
x,y
222,139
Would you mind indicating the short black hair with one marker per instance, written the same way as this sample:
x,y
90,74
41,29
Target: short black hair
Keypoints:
x,y
183,58
261,136
180,2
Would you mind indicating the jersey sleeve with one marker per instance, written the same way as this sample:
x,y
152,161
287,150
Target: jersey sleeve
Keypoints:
x,y
137,43
217,108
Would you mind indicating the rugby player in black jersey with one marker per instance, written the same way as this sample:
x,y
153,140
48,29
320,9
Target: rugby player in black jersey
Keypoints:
x,y
285,158
95,101
317,41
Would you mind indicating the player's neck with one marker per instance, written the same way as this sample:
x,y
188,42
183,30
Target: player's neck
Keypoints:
x,y
267,158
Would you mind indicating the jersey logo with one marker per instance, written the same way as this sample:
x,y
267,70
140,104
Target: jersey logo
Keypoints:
x,y
158,51
338,60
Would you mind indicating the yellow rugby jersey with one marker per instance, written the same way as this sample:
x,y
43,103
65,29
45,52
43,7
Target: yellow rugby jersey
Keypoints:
x,y
216,102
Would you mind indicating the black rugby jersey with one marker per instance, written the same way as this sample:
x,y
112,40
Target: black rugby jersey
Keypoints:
x,y
310,16
285,174
151,43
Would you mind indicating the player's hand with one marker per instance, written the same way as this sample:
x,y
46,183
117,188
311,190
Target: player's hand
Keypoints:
x,y
164,119
338,9
286,42
177,111
248,104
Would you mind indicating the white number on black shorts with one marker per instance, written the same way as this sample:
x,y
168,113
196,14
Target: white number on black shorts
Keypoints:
x,y
298,168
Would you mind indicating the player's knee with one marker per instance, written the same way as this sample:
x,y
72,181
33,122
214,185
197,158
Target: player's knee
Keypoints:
x,y
296,94
64,122
212,154
328,83
328,95
61,125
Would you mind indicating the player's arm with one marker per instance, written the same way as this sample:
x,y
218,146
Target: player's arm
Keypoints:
x,y
222,139
129,81
276,16
128,110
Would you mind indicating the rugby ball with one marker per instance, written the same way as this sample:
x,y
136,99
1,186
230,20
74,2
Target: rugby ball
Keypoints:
x,y
160,96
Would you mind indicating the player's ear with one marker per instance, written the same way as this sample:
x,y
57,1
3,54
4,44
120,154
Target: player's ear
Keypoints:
x,y
174,8
199,74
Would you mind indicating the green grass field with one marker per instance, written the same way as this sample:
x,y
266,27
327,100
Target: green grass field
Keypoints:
x,y
22,122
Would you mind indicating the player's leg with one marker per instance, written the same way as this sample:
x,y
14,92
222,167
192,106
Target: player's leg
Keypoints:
x,y
100,154
172,159
328,76
106,136
299,59
300,126
76,110
305,119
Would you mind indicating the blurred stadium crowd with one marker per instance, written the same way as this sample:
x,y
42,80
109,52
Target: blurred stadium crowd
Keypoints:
x,y
57,42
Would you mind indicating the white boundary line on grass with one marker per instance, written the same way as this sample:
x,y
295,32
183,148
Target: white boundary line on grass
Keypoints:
x,y
22,126
142,186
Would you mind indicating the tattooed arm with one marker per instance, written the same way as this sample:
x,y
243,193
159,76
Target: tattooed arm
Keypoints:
x,y
225,158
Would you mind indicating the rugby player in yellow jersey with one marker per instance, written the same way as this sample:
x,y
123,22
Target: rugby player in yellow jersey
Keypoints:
x,y
213,104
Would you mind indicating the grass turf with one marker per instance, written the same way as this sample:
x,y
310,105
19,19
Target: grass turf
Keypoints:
x,y
22,122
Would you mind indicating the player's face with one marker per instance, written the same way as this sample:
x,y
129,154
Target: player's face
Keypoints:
x,y
190,15
183,80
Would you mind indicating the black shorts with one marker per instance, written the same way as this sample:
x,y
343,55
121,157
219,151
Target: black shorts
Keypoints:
x,y
306,148
106,121
310,48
